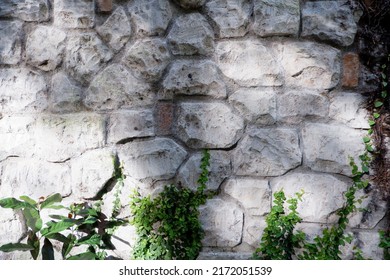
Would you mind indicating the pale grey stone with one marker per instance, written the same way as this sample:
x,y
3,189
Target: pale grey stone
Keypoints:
x,y
257,105
253,194
90,172
65,94
22,90
27,10
369,244
295,106
329,21
267,152
323,194
220,169
74,13
191,34
349,108
116,87
248,63
309,65
194,77
11,228
45,47
10,44
190,4
222,222
148,57
253,229
85,55
154,159
124,125
61,137
276,17
116,31
327,148
232,17
151,17
198,124
124,239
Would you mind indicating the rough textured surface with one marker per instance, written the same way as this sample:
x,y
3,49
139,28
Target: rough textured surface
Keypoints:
x,y
65,94
27,10
10,45
74,13
189,4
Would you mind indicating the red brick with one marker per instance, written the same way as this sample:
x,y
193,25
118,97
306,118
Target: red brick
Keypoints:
x,y
105,5
164,118
351,68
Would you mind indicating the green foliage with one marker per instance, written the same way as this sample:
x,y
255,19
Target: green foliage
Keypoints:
x,y
385,243
168,226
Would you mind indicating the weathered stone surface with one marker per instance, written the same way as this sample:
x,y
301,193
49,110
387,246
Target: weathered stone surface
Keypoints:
x,y
220,168
349,108
151,159
327,148
248,63
253,194
60,137
351,70
194,77
90,172
222,222
10,44
231,17
116,30
253,229
124,125
34,178
295,106
27,10
190,4
116,87
45,47
267,152
151,17
310,65
11,228
124,239
85,55
369,244
65,95
74,13
276,17
330,21
148,58
257,105
198,124
22,90
323,194
191,34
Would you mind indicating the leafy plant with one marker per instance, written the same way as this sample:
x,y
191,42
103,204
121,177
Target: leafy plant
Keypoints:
x,y
168,226
385,243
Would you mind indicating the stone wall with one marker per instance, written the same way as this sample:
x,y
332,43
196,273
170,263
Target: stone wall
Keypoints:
x,y
271,87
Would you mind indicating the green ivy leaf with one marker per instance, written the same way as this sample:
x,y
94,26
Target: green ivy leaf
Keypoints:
x,y
384,94
371,122
366,139
376,115
378,104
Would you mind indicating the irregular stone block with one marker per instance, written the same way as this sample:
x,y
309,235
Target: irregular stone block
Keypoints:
x,y
148,58
10,44
267,152
329,21
11,228
85,55
369,244
45,46
253,194
220,169
27,10
231,17
222,222
276,17
151,17
253,229
349,108
68,135
257,105
295,106
323,194
151,159
22,90
249,63
90,172
327,148
190,4
310,65
194,77
191,34
116,87
124,125
351,70
116,31
74,13
198,124
65,94
34,178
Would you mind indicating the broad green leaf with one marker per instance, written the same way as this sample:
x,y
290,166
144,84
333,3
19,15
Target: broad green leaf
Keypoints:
x,y
90,220
83,256
68,245
33,241
11,247
50,200
33,220
47,250
57,236
58,217
55,227
378,104
90,240
29,200
12,203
